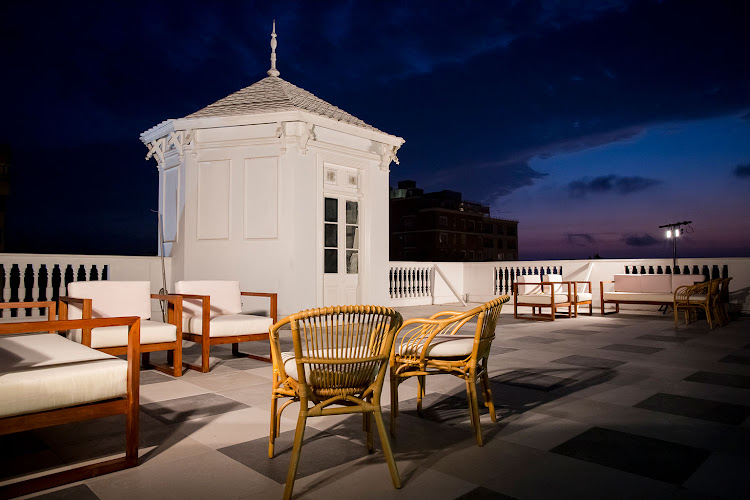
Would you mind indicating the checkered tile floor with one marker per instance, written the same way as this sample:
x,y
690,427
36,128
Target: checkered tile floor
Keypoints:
x,y
622,406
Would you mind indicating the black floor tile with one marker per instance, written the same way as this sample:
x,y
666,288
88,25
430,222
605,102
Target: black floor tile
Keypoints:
x,y
733,358
482,493
639,349
589,362
713,411
320,451
537,340
663,338
179,410
654,458
502,350
725,379
575,332
442,409
533,380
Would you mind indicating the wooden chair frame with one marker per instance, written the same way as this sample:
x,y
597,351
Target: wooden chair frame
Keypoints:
x,y
577,303
691,298
409,358
552,305
127,405
336,379
174,349
206,341
50,305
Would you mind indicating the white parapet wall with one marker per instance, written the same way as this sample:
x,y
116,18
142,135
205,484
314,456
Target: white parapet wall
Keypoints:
x,y
33,269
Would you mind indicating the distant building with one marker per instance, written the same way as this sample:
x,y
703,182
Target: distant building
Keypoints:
x,y
441,227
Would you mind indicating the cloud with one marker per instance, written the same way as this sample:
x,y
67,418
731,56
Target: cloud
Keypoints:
x,y
643,240
610,183
581,239
742,171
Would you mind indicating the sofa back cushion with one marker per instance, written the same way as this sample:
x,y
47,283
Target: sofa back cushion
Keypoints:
x,y
529,289
656,283
111,299
628,283
225,297
555,278
679,280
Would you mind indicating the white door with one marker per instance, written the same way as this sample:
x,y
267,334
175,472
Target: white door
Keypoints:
x,y
341,251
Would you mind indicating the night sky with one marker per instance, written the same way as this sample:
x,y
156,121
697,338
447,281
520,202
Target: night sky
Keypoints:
x,y
590,122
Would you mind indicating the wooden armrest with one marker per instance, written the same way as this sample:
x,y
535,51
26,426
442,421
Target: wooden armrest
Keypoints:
x,y
192,296
271,295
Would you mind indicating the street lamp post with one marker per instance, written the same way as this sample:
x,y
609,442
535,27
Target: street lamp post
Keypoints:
x,y
674,230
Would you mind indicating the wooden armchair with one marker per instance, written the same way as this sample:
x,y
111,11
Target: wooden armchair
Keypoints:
x,y
338,367
436,346
528,291
47,380
212,315
108,299
690,299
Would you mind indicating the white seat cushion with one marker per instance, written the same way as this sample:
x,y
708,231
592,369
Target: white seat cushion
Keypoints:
x,y
555,278
541,299
111,299
442,346
639,297
583,297
46,371
290,364
152,332
228,325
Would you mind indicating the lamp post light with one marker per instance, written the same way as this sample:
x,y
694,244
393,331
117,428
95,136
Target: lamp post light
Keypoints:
x,y
674,230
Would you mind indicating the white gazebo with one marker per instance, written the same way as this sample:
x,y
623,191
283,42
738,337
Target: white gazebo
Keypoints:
x,y
280,190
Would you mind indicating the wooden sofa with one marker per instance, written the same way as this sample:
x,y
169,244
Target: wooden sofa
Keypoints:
x,y
652,289
48,380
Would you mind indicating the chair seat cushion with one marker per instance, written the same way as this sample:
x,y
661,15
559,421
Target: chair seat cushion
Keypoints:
x,y
46,371
152,332
639,297
290,364
583,297
442,346
541,299
228,325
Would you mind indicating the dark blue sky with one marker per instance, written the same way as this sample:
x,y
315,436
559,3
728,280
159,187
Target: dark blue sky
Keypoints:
x,y
589,122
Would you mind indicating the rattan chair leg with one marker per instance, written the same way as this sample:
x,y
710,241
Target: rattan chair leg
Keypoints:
x,y
394,403
471,390
368,429
294,462
274,426
488,395
387,451
422,379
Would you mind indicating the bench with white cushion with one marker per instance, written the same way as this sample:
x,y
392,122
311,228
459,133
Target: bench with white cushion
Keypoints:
x,y
212,315
652,289
47,379
530,291
109,299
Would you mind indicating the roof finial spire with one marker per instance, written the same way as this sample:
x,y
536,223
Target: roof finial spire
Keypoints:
x,y
273,71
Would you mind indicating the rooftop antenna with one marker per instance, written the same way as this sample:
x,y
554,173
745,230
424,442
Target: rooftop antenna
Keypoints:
x,y
273,71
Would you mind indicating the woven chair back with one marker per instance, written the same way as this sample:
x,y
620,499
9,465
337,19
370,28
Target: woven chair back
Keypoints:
x,y
343,350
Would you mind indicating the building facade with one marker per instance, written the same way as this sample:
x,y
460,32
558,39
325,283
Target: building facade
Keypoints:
x,y
279,189
442,227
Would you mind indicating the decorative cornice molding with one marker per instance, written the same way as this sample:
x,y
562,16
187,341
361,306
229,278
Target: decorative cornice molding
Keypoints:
x,y
388,155
178,141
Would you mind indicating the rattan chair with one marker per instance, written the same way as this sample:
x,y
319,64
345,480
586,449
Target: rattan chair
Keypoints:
x,y
690,299
721,299
436,346
338,366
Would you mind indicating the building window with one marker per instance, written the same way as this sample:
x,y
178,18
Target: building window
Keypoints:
x,y
471,255
443,221
471,225
442,238
409,222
